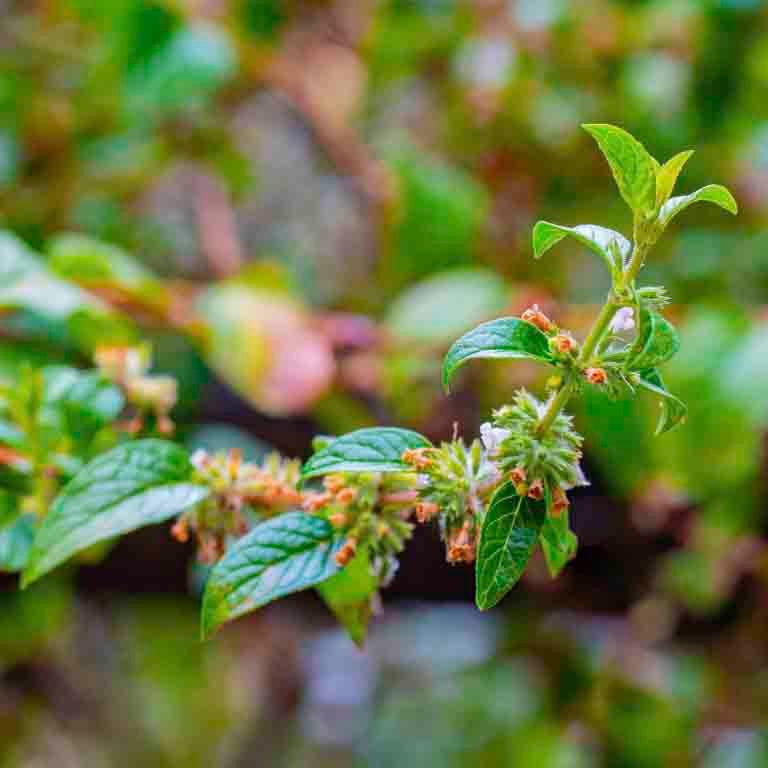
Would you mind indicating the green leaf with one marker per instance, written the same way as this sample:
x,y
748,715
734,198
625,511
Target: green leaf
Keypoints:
x,y
506,337
133,485
16,543
666,176
373,449
283,555
438,309
90,261
558,542
712,193
350,593
631,165
673,410
609,245
508,537
16,258
82,401
657,341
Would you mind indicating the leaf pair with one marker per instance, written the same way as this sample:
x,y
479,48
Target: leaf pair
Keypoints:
x,y
645,185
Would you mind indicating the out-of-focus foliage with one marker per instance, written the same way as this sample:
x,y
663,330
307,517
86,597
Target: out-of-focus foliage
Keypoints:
x,y
234,180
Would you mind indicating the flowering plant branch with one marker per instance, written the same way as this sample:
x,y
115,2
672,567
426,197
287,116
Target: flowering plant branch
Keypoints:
x,y
339,522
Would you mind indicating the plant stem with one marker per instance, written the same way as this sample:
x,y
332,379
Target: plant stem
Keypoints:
x,y
555,406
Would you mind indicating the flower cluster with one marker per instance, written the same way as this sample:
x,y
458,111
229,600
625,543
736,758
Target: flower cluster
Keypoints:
x,y
148,395
542,466
242,494
455,481
372,510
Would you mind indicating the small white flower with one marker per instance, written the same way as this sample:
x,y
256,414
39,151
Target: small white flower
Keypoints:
x,y
623,320
492,437
199,458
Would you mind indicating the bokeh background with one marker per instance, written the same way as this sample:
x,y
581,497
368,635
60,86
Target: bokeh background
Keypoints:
x,y
301,203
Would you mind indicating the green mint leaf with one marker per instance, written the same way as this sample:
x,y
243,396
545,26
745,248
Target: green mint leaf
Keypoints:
x,y
657,341
673,410
373,449
283,555
606,243
133,485
16,543
666,176
631,164
506,337
16,258
712,193
558,542
508,537
349,594
79,402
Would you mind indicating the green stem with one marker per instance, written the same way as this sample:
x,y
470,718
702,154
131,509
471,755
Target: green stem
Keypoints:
x,y
555,406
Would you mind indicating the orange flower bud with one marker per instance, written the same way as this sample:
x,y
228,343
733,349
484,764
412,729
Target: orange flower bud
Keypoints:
x,y
536,490
536,317
346,496
417,457
461,545
180,530
517,475
596,375
563,343
338,519
425,511
315,501
347,552
559,502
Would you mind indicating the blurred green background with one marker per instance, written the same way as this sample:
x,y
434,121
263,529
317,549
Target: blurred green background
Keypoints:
x,y
301,203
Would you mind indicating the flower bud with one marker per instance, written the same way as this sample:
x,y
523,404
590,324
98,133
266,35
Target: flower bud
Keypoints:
x,y
536,317
417,457
563,344
347,552
461,546
596,376
180,530
346,496
426,510
338,519
559,502
536,490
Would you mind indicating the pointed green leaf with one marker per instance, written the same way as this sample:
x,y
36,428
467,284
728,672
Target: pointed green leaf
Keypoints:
x,y
508,537
373,449
657,341
133,485
16,543
604,242
558,542
506,337
283,555
712,193
16,258
666,176
350,594
673,410
631,164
